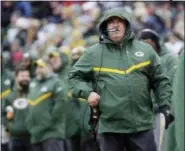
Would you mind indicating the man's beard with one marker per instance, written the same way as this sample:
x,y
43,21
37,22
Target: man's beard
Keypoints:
x,y
24,85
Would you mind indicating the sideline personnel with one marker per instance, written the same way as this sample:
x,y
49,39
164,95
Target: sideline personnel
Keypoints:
x,y
123,71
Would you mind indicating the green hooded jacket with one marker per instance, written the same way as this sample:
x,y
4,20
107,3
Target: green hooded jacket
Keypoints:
x,y
46,117
178,103
18,101
122,74
170,62
7,83
63,71
72,106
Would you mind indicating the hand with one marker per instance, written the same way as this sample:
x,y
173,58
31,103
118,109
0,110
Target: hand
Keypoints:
x,y
93,99
10,115
169,118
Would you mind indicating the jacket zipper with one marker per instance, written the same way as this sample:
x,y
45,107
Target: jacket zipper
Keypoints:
x,y
129,89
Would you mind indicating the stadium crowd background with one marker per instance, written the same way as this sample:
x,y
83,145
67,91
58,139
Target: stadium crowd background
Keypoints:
x,y
37,27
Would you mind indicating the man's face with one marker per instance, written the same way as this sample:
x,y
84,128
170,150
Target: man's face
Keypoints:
x,y
118,27
75,54
150,42
41,72
23,78
56,62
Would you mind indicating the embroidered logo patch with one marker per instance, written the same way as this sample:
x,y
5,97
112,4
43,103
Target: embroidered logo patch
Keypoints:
x,y
20,103
139,54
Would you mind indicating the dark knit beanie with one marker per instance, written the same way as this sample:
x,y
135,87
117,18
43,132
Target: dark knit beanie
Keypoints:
x,y
149,34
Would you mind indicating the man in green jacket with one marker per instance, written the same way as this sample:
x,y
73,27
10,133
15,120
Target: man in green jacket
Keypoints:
x,y
7,83
60,64
117,75
178,103
169,61
46,118
82,140
16,111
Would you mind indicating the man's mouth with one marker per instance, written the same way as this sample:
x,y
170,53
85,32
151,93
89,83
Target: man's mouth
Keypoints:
x,y
112,30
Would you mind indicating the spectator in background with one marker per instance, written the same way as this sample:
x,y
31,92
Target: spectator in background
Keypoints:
x,y
16,111
7,8
55,16
178,103
170,63
46,117
168,59
16,53
174,43
7,83
27,62
24,8
60,64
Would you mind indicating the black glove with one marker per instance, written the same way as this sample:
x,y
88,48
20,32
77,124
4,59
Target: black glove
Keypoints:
x,y
169,118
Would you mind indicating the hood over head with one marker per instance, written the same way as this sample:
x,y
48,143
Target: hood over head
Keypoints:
x,y
117,12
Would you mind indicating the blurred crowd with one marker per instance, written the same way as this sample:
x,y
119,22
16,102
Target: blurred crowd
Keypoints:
x,y
37,27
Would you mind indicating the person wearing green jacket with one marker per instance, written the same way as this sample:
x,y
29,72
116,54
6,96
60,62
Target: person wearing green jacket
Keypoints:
x,y
46,116
116,75
178,103
16,110
7,83
82,140
165,141
60,64
27,61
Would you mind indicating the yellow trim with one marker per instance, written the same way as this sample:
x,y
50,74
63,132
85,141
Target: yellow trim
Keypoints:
x,y
137,66
69,94
40,99
82,100
5,93
98,69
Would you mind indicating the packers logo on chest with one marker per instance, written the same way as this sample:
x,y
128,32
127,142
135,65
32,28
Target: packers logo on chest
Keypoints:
x,y
20,103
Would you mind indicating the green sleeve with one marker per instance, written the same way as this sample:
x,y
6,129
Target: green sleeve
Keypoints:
x,y
59,99
81,76
178,103
171,65
160,82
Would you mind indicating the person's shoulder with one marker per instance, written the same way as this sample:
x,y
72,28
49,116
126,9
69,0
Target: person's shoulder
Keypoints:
x,y
142,45
55,79
12,96
53,76
94,49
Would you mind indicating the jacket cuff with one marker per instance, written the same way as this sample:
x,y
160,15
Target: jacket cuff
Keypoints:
x,y
85,94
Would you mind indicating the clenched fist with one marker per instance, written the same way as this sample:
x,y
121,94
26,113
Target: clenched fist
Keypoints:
x,y
93,99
